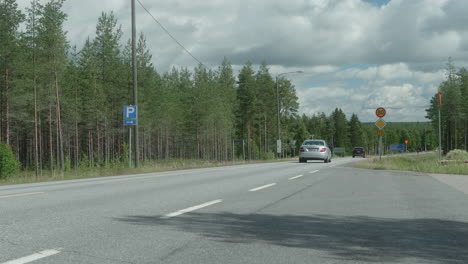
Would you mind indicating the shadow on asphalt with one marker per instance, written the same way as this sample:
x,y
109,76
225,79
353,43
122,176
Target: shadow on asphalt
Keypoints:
x,y
346,237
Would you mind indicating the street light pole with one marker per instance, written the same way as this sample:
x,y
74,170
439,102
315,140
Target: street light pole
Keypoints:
x,y
135,87
278,142
440,130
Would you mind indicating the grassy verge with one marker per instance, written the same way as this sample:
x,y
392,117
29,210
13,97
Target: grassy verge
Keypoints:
x,y
421,163
146,167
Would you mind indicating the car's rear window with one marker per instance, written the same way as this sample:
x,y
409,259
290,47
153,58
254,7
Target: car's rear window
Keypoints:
x,y
314,142
358,148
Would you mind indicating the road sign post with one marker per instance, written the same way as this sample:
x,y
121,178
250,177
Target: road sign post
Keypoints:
x,y
278,147
130,112
130,118
380,123
380,113
129,147
440,130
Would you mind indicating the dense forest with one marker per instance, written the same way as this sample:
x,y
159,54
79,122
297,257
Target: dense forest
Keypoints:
x,y
340,132
61,107
454,109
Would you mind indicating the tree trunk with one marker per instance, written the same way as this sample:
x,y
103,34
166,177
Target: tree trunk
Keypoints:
x,y
59,126
7,113
166,134
37,152
248,142
266,137
36,132
466,138
51,150
98,138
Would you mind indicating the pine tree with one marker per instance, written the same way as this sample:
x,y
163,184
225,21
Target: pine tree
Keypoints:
x,y
10,19
356,133
247,105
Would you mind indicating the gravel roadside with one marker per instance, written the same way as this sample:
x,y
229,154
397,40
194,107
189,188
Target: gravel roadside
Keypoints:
x,y
459,182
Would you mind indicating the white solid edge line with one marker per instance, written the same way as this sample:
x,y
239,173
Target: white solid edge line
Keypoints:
x,y
190,209
295,177
262,187
33,257
314,171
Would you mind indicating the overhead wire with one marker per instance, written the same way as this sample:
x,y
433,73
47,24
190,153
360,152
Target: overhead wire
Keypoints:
x,y
170,35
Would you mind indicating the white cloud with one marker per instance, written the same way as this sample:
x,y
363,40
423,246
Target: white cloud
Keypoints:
x,y
398,47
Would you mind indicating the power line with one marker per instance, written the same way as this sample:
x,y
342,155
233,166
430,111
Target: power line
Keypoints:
x,y
170,35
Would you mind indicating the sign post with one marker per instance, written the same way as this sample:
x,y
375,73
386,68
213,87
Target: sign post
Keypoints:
x,y
440,130
406,144
129,147
380,113
130,118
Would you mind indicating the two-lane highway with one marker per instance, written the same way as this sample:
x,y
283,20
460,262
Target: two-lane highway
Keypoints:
x,y
285,212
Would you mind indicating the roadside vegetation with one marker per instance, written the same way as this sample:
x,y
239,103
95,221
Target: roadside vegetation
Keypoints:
x,y
452,163
122,169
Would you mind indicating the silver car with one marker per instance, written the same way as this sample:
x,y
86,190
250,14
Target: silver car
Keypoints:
x,y
314,149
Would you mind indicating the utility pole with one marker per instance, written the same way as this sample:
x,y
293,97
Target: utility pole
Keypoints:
x,y
278,142
135,84
440,130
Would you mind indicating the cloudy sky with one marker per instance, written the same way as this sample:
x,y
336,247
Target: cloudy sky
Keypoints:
x,y
355,54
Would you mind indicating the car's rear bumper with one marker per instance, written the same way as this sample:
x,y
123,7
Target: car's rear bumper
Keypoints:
x,y
309,155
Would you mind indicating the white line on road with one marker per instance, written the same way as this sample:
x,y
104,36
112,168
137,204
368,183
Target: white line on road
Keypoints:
x,y
262,187
295,177
20,194
314,171
190,209
33,257
331,166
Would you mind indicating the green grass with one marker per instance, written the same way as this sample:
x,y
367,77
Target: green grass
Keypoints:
x,y
146,167
420,163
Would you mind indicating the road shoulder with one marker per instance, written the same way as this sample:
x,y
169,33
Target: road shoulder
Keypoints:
x,y
459,182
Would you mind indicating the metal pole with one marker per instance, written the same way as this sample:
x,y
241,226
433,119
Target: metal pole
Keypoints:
x,y
279,131
380,148
135,84
440,139
129,147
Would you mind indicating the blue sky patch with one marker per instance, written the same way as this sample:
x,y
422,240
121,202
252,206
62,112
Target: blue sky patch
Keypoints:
x,y
377,2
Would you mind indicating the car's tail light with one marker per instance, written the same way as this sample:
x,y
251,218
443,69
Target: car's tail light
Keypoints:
x,y
323,150
363,151
354,150
302,149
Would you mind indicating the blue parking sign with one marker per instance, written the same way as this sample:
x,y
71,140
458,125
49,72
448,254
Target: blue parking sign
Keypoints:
x,y
130,112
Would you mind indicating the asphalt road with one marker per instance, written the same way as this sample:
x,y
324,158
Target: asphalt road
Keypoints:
x,y
266,213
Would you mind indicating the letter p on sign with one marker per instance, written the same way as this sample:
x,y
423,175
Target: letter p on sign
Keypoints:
x,y
130,112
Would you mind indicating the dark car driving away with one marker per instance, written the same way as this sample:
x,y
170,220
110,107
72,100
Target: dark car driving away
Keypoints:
x,y
359,151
